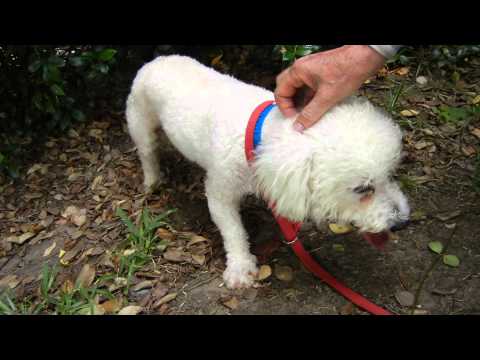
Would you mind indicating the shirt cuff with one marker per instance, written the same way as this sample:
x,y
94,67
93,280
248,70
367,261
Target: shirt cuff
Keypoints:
x,y
388,51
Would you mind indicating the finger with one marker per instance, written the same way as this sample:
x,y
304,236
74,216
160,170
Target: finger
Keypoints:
x,y
288,83
314,110
286,106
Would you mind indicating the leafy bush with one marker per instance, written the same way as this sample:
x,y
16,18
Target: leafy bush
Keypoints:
x,y
290,53
450,55
47,87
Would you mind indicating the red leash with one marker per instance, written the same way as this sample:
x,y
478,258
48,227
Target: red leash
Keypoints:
x,y
290,230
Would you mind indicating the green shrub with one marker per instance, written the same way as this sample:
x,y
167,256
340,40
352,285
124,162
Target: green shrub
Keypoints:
x,y
290,53
47,87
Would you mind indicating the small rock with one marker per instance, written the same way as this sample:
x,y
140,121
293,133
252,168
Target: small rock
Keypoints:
x,y
422,80
405,298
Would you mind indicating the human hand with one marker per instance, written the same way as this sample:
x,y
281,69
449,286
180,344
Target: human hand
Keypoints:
x,y
323,80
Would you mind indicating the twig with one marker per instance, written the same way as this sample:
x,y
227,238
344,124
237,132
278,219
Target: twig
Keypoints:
x,y
200,283
429,271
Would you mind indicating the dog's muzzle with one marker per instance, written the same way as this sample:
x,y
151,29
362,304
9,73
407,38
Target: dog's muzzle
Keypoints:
x,y
400,226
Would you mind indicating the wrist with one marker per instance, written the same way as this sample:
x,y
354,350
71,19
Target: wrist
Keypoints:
x,y
366,60
387,51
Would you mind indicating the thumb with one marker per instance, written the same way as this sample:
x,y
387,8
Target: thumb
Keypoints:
x,y
312,113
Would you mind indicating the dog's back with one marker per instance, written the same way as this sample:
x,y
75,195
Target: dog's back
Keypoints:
x,y
198,108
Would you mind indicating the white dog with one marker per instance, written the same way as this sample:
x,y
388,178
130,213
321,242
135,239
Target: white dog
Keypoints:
x,y
338,170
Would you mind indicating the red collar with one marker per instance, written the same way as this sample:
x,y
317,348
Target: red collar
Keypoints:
x,y
290,229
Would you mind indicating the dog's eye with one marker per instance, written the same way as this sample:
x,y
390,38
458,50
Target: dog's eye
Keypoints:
x,y
364,189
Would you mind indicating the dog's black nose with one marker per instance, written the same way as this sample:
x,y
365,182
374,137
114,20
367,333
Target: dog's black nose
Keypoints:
x,y
400,225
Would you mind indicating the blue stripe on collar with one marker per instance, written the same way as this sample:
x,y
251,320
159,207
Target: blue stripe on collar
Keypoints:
x,y
257,134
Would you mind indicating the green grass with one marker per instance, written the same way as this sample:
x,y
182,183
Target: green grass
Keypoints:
x,y
407,183
76,300
455,115
141,241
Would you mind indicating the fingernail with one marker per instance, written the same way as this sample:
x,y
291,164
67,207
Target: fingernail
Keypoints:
x,y
299,127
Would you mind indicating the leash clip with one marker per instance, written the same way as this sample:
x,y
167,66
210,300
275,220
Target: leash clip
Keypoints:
x,y
291,242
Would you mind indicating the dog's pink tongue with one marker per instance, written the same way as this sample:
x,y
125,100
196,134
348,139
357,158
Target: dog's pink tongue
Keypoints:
x,y
377,239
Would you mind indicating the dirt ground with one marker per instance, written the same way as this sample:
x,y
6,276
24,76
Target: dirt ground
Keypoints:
x,y
95,167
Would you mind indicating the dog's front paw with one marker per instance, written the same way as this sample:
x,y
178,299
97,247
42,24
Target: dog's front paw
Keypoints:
x,y
240,274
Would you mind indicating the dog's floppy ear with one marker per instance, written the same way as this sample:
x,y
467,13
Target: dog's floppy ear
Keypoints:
x,y
282,173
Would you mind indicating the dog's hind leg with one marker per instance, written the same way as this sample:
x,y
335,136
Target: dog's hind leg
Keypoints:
x,y
143,127
224,206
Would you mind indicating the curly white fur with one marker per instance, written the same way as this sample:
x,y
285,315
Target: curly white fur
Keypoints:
x,y
309,176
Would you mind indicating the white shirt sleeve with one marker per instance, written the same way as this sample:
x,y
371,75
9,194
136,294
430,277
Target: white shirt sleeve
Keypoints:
x,y
388,51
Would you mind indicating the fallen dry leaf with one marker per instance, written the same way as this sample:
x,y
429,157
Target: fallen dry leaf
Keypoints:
x,y
118,283
96,134
130,310
196,239
160,291
10,281
111,306
43,168
264,272
199,259
175,255
165,299
32,196
402,71
283,273
340,229
347,309
146,284
75,215
476,132
232,303
409,113
448,216
86,276
164,234
46,222
97,310
216,60
49,250
422,145
476,100
468,150
129,252
67,287
20,239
